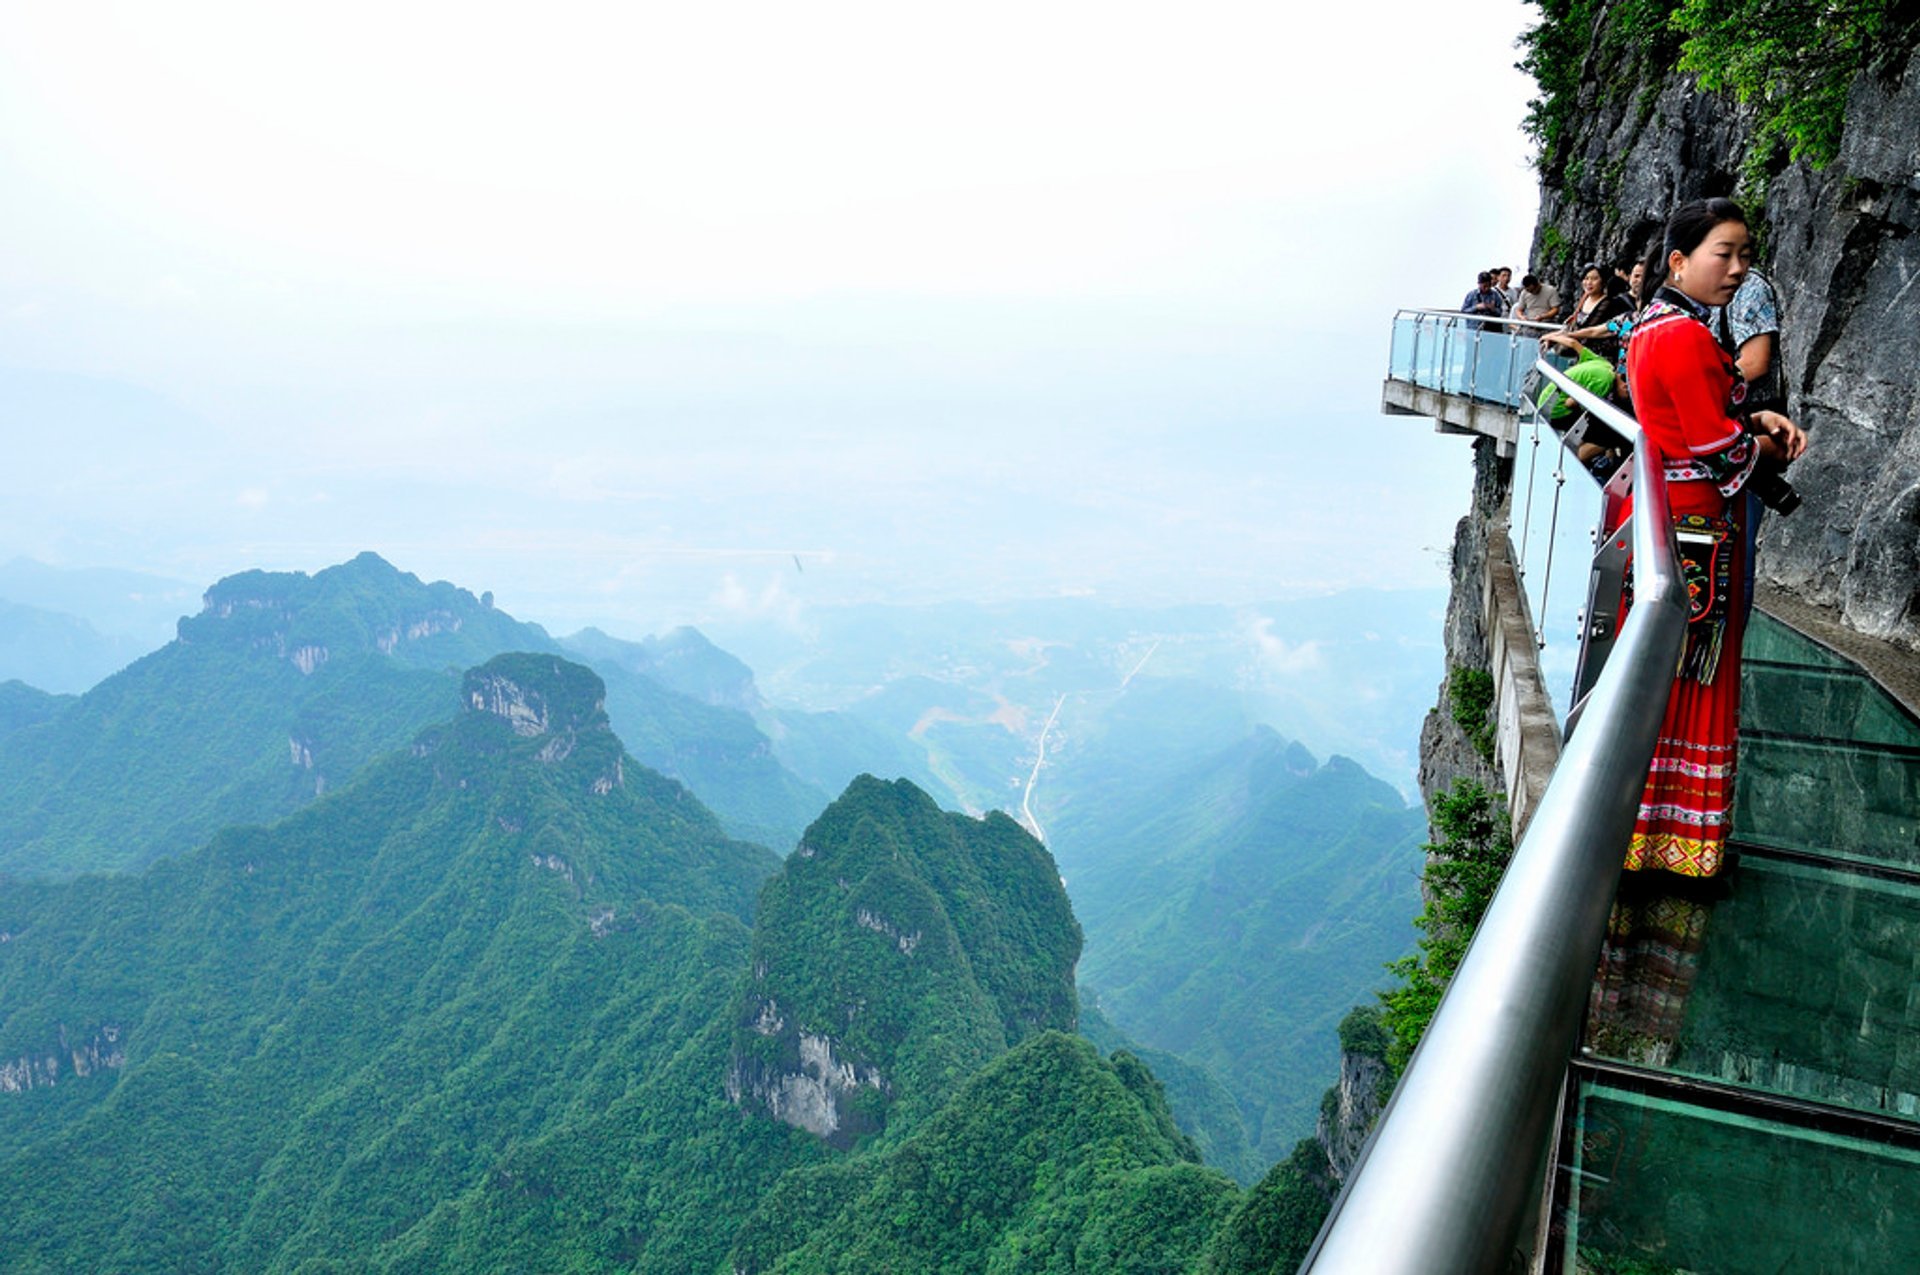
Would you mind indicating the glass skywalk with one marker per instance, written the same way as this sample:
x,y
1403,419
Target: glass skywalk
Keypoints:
x,y
1483,359
1747,1097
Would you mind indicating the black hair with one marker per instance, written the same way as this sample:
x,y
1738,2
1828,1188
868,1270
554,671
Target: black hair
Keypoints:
x,y
1528,280
1687,228
1486,277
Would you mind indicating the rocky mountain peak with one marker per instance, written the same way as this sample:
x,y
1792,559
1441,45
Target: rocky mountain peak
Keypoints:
x,y
537,694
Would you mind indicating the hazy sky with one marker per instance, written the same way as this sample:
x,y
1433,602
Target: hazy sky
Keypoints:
x,y
617,309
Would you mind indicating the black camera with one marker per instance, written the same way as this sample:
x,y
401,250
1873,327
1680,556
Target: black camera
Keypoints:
x,y
1771,485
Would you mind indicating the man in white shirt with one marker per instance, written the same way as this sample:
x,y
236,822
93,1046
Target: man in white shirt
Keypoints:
x,y
1536,302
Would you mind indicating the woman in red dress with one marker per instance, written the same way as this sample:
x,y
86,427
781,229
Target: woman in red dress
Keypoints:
x,y
1687,394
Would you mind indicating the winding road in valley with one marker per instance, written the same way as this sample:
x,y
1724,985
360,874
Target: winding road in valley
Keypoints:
x,y
1027,817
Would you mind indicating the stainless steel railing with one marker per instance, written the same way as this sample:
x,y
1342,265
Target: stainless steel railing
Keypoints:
x,y
1443,1185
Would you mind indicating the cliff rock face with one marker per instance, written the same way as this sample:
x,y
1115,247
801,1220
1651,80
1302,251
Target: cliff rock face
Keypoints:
x,y
64,1060
1351,1108
1840,247
1446,754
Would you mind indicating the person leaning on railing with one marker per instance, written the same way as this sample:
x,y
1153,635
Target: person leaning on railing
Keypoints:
x,y
1689,398
1595,338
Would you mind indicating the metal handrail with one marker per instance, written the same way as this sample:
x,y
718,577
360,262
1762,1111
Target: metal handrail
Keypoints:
x,y
1442,1186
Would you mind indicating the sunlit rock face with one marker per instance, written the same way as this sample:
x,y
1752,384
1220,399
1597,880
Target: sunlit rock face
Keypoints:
x,y
812,1094
67,1058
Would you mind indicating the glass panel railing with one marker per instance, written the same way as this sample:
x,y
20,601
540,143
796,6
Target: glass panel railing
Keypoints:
x,y
1660,1185
1404,357
1796,980
1556,511
1482,359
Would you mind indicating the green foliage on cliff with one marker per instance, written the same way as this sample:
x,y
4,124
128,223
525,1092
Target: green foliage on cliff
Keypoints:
x,y
1585,54
1792,62
1470,692
1463,871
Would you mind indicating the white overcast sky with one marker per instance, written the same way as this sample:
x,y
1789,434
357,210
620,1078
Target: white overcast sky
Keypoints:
x,y
615,309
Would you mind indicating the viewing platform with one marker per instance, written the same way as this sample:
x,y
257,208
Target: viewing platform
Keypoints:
x,y
1464,373
1743,1090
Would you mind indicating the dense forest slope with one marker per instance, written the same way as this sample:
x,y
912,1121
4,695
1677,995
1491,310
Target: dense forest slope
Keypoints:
x,y
489,1007
296,1040
899,950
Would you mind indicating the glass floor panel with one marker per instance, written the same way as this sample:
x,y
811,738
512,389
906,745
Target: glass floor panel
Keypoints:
x,y
1823,703
1796,980
1661,1186
1856,802
1829,762
1769,639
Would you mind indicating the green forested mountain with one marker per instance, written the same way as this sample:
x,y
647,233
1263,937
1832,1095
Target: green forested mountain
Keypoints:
x,y
901,948
285,684
1049,1159
22,705
479,1010
301,1039
1236,907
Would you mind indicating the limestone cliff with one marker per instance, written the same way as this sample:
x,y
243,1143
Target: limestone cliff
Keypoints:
x,y
1446,754
1838,242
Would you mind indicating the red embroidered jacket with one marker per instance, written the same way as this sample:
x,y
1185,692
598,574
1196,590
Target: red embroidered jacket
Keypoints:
x,y
1683,386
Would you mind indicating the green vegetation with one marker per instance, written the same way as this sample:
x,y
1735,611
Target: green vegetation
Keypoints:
x,y
1470,692
1236,909
475,1011
1463,871
1274,1225
1050,1159
491,1001
336,1030
1792,62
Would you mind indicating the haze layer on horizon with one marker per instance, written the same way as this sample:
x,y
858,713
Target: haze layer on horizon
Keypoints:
x,y
637,315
